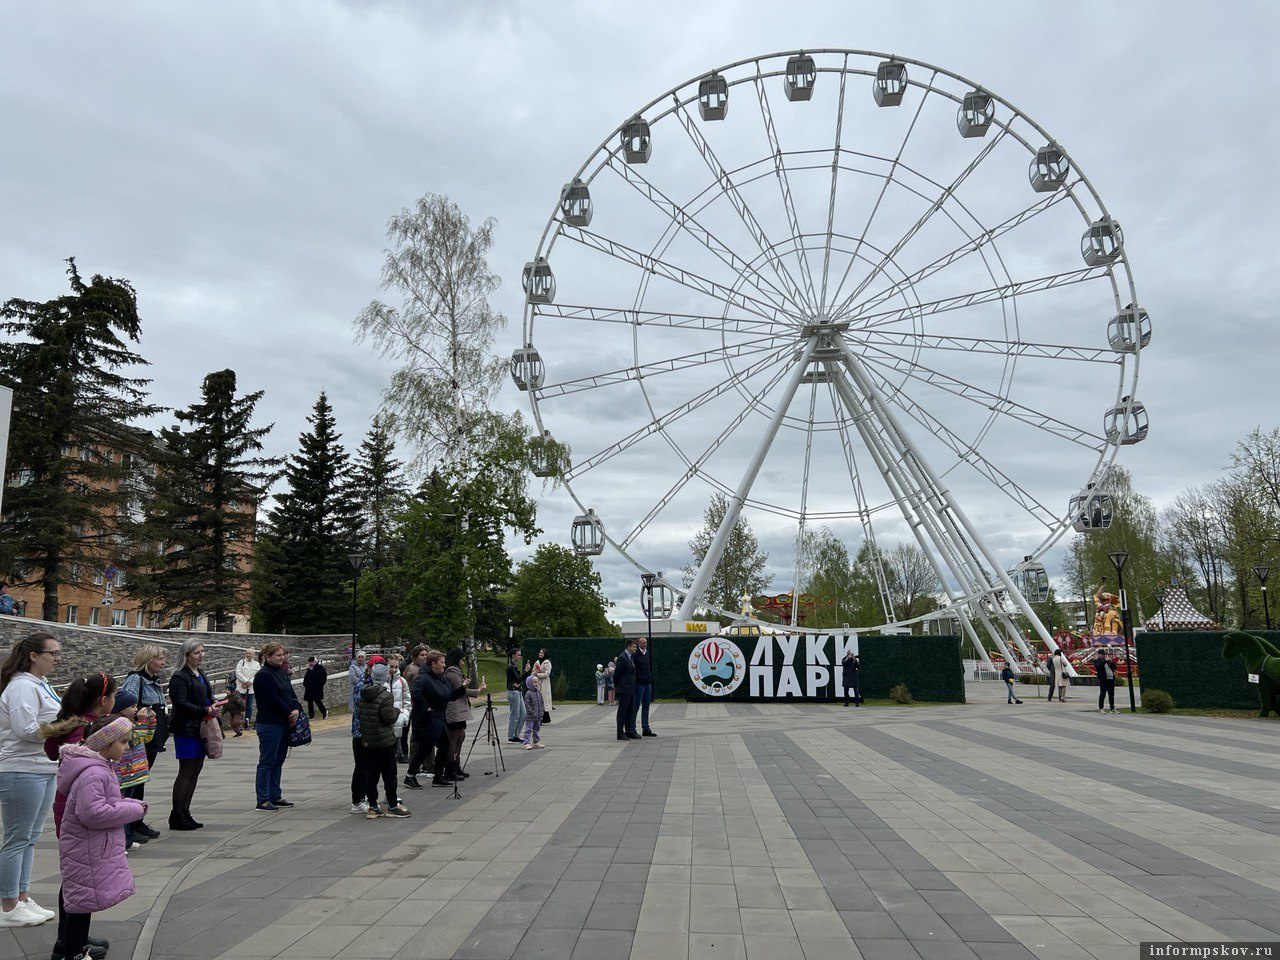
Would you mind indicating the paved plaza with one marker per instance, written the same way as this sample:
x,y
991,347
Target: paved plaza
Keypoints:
x,y
773,832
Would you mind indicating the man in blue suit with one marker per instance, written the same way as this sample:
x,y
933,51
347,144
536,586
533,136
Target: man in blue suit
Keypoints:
x,y
624,681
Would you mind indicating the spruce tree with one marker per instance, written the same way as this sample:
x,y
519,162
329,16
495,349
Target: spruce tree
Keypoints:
x,y
194,551
73,438
303,573
381,494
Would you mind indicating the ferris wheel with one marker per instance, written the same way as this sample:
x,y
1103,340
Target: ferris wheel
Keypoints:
x,y
842,289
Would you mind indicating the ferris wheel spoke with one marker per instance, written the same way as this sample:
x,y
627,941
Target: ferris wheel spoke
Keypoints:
x,y
678,275
1005,291
644,371
967,452
860,498
694,466
736,200
687,222
971,246
911,232
784,185
674,414
986,399
655,318
1009,348
835,179
884,188
804,499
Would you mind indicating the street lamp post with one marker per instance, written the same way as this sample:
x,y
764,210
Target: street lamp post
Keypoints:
x,y
1118,560
1160,595
646,601
357,561
1262,571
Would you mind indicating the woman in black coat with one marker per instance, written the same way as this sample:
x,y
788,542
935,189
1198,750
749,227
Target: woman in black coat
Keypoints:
x,y
430,693
849,669
191,697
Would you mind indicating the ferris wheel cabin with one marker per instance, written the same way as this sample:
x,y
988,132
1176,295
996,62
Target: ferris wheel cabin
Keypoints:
x,y
1126,423
587,534
1102,243
538,281
1129,329
1049,169
527,368
713,97
801,75
1031,579
575,203
973,119
890,83
544,457
1090,509
637,144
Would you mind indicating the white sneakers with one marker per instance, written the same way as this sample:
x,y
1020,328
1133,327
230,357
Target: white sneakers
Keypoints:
x,y
27,913
361,807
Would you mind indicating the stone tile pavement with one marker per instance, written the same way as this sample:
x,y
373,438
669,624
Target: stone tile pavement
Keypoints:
x,y
810,832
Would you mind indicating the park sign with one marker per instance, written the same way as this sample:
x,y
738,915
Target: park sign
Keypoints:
x,y
769,666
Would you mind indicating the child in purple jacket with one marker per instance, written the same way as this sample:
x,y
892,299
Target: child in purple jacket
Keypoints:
x,y
95,873
533,718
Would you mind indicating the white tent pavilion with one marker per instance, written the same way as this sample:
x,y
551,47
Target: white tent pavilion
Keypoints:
x,y
1177,613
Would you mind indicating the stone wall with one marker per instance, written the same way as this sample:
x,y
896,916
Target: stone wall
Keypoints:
x,y
94,649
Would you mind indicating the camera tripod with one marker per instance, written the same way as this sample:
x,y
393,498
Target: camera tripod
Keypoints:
x,y
489,727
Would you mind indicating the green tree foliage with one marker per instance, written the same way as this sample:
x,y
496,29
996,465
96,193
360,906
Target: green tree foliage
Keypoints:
x,y
556,593
443,329
68,363
1134,530
830,574
913,585
381,496
453,535
192,547
303,574
741,566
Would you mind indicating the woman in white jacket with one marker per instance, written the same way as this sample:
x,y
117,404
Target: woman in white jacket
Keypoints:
x,y
27,777
543,670
246,670
402,701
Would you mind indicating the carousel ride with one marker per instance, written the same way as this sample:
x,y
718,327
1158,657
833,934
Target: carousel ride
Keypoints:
x,y
873,296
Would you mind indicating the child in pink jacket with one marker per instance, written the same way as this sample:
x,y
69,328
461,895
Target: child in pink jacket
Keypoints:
x,y
95,873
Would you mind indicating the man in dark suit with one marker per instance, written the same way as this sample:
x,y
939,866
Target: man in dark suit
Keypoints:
x,y
624,681
644,688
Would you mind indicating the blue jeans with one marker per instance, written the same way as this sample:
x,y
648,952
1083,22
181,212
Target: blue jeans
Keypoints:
x,y
248,708
515,719
644,697
273,747
25,801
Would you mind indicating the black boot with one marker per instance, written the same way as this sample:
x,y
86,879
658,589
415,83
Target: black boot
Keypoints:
x,y
178,822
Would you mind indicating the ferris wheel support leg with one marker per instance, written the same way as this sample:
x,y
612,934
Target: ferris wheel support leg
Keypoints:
x,y
734,507
919,522
912,455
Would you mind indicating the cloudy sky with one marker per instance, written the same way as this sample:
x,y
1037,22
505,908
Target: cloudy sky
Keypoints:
x,y
238,163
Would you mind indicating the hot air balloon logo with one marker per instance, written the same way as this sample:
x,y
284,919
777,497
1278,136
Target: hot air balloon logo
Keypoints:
x,y
717,666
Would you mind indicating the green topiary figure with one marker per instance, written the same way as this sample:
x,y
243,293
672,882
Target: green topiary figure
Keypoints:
x,y
1156,701
901,694
1260,658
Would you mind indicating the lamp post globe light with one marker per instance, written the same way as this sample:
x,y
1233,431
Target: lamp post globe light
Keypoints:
x,y
1118,560
357,561
1262,571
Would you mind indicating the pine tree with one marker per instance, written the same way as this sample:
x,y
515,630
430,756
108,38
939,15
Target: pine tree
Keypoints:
x,y
381,494
194,553
303,574
71,393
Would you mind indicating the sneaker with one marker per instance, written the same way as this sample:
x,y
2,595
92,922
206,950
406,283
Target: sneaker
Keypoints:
x,y
148,830
398,811
528,746
412,783
539,746
1017,701
131,846
374,813
1113,709
361,807
1102,709
283,803
514,740
267,807
32,907
18,917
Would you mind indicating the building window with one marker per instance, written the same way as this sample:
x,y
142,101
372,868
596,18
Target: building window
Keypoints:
x,y
195,623
119,618
175,621
85,453
154,619
94,616
73,612
97,578
75,573
21,608
138,621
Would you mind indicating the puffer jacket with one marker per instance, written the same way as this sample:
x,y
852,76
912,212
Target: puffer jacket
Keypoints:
x,y
378,716
459,708
58,734
95,873
533,704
